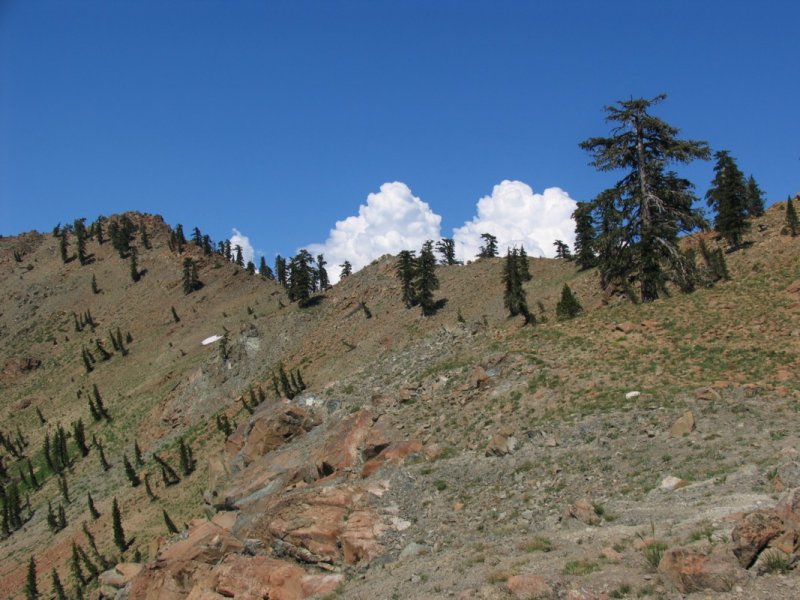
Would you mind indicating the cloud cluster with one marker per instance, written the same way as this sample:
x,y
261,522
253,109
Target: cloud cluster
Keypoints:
x,y
248,253
516,216
392,220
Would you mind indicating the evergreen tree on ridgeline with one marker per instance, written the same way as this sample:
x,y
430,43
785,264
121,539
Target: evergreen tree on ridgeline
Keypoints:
x,y
642,215
425,279
406,268
792,224
447,248
755,198
489,248
728,196
514,295
347,269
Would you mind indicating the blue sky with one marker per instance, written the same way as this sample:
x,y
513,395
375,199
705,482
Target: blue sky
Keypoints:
x,y
280,118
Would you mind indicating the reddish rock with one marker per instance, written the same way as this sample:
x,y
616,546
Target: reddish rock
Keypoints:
x,y
626,327
683,426
359,537
529,587
502,444
258,577
478,378
692,570
394,453
786,542
752,534
120,575
788,509
206,542
270,427
611,554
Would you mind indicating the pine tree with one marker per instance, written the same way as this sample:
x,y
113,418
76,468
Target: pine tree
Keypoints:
x,y
323,283
425,279
79,228
280,270
187,461
728,196
148,489
95,289
175,316
514,296
101,560
301,279
119,533
642,215
62,517
191,279
101,454
489,248
32,476
87,362
286,386
75,567
137,454
88,564
406,268
250,268
104,354
197,237
239,260
792,223
168,522
168,474
58,589
31,589
347,269
63,246
562,250
130,472
447,248
568,307
98,403
52,520
92,508
755,198
79,435
135,274
64,488
144,237
264,270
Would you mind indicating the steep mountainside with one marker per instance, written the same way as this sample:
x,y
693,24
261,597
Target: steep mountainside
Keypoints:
x,y
458,455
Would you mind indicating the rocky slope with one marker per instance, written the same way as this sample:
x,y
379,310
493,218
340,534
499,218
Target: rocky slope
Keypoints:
x,y
633,451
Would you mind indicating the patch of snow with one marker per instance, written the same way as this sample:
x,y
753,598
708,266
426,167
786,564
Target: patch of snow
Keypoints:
x,y
631,395
211,340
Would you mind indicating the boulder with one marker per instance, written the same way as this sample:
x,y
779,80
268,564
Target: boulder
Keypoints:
x,y
788,509
584,510
683,426
752,534
694,569
258,577
502,444
206,542
478,378
670,483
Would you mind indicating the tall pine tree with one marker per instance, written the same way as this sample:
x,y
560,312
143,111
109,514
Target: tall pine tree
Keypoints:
x,y
729,198
646,209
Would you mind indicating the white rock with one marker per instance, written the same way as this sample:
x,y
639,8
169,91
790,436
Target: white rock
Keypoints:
x,y
631,395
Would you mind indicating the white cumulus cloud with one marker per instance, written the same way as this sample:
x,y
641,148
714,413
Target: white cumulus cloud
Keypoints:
x,y
239,239
392,220
516,216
